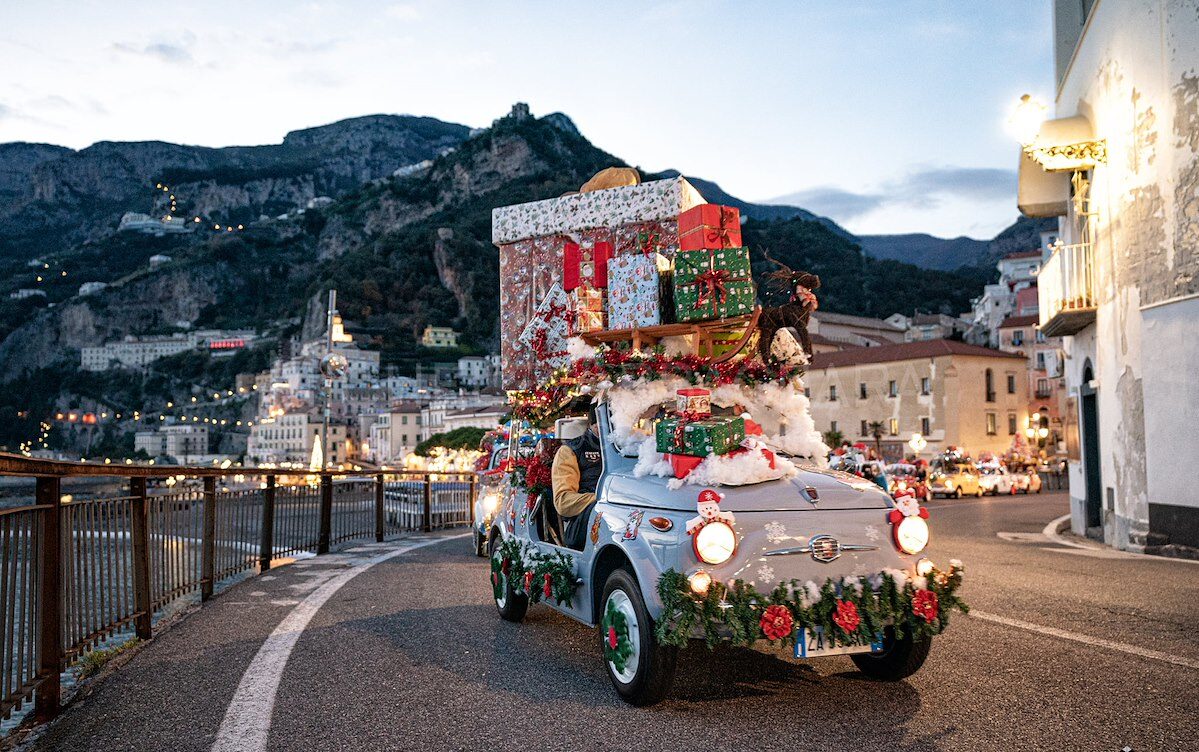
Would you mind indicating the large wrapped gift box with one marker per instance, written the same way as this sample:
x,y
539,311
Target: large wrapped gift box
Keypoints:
x,y
699,438
709,226
585,264
712,284
586,310
647,202
546,332
635,290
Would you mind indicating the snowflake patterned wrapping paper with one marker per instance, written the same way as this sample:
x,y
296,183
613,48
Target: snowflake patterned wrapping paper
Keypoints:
x,y
712,284
635,290
700,438
647,202
547,331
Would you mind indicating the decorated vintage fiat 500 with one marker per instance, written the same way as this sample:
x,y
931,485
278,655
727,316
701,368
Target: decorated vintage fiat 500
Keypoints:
x,y
685,496
758,547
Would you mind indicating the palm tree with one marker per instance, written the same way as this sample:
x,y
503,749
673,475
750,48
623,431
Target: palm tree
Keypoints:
x,y
833,438
875,427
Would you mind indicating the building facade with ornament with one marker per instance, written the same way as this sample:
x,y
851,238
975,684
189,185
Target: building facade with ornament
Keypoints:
x,y
1045,373
139,352
1115,159
949,393
293,438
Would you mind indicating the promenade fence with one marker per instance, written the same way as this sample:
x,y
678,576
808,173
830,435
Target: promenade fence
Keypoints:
x,y
77,572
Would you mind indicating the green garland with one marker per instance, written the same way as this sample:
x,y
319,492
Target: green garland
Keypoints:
x,y
733,613
540,576
615,623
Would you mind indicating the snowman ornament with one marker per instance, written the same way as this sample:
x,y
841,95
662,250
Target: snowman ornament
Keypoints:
x,y
708,507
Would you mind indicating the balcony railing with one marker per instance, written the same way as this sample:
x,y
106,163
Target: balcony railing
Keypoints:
x,y
1066,290
79,571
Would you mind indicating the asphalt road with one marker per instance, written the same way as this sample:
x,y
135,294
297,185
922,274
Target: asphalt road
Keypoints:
x,y
411,655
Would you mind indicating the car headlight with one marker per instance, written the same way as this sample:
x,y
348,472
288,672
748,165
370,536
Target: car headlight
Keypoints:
x,y
949,484
911,535
491,502
715,543
902,485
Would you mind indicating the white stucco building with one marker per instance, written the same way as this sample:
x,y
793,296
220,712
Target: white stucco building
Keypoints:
x,y
1118,164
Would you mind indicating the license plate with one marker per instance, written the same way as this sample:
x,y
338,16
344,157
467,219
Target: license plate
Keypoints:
x,y
814,643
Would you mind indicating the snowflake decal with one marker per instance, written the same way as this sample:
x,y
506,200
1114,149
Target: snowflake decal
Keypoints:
x,y
766,573
873,533
775,531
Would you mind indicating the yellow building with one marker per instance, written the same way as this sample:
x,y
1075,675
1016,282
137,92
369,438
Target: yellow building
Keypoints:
x,y
439,336
949,392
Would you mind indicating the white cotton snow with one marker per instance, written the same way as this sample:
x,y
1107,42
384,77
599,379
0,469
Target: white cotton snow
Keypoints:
x,y
577,349
736,470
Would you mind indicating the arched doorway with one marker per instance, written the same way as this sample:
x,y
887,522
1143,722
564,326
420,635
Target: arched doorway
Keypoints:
x,y
1089,420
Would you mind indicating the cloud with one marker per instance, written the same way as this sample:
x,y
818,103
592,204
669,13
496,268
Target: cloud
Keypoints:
x,y
404,12
167,52
925,188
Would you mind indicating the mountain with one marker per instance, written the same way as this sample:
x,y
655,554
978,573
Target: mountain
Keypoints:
x,y
926,250
404,251
53,198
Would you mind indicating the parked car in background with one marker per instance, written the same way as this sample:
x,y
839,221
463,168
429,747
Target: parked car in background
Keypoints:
x,y
1034,482
995,480
956,479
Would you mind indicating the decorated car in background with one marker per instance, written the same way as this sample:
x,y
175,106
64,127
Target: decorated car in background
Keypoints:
x,y
715,519
954,478
995,480
493,470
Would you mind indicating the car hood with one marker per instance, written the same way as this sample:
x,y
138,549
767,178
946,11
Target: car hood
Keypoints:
x,y
834,490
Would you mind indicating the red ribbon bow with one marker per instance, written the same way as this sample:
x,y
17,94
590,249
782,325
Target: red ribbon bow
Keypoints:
x,y
721,231
803,294
711,285
680,428
650,242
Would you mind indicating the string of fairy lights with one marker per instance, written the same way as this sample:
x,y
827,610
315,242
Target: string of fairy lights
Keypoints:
x,y
172,212
183,413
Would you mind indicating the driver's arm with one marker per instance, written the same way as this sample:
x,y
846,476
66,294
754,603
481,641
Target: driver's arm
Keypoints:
x,y
565,476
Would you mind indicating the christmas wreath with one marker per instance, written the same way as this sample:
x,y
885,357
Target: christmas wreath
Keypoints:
x,y
617,645
851,610
541,576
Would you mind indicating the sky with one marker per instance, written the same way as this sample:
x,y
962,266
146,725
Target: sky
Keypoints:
x,y
886,116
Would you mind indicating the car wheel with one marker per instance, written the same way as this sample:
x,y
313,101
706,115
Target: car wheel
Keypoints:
x,y
480,549
928,496
645,674
957,492
512,604
979,493
899,659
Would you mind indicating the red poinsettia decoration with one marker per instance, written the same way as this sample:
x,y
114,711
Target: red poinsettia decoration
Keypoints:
x,y
846,616
547,589
504,567
925,605
776,622
612,638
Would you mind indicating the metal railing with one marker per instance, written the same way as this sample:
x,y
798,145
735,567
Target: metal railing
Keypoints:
x,y
74,573
1066,283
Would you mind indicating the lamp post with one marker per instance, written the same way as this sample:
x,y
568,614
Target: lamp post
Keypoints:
x,y
917,443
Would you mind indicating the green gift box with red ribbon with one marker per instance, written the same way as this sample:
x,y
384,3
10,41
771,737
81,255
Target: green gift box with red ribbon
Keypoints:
x,y
712,283
699,436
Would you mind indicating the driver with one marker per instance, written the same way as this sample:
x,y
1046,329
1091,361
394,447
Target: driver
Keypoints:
x,y
576,471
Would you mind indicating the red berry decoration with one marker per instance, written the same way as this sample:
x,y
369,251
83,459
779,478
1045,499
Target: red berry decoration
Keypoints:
x,y
528,582
925,605
612,638
846,616
776,622
548,588
504,567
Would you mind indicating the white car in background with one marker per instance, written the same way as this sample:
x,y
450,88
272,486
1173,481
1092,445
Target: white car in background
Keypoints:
x,y
996,480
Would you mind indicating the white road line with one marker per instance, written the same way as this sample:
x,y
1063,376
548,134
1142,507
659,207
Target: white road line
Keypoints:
x,y
248,720
1087,640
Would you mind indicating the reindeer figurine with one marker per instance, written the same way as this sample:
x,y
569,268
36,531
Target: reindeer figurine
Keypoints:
x,y
799,288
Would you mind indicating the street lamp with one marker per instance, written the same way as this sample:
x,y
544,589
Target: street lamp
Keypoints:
x,y
1026,117
917,443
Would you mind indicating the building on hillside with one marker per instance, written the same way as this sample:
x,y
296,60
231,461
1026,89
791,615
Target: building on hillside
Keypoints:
x,y
292,437
481,416
1046,383
139,352
25,293
926,326
949,392
439,336
1119,167
1017,273
395,432
479,371
91,288
158,226
185,443
861,331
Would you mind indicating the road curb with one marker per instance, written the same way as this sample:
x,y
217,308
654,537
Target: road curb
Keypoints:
x,y
1053,531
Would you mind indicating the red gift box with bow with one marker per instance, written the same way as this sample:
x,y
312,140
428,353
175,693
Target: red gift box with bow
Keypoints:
x,y
585,265
709,226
